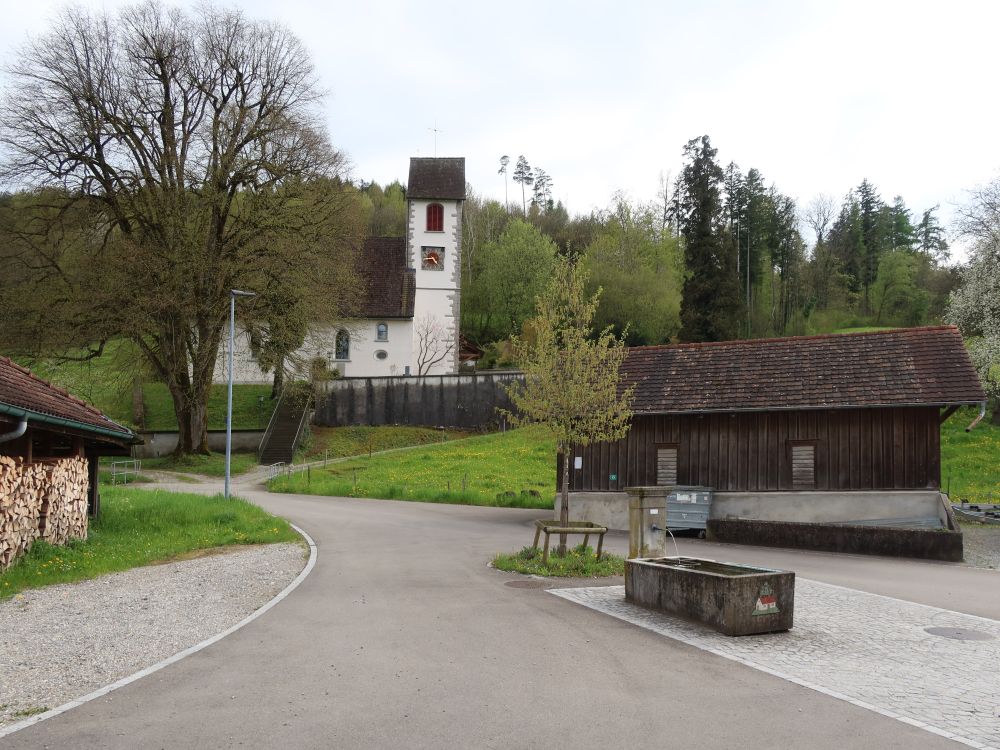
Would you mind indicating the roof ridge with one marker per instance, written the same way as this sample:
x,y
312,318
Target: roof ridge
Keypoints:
x,y
779,339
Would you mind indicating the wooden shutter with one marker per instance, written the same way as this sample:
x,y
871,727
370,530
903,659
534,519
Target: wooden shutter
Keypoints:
x,y
435,217
804,466
666,464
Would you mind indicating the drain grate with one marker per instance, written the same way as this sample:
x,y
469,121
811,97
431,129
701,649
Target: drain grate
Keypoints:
x,y
960,634
532,584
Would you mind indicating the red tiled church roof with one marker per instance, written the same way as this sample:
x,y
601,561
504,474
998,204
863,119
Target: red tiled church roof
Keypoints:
x,y
833,371
23,390
389,285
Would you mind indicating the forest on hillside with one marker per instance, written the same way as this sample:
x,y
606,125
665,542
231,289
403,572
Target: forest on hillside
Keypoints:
x,y
721,253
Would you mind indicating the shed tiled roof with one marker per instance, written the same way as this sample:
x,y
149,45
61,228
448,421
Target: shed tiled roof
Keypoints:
x,y
390,285
834,371
20,388
436,178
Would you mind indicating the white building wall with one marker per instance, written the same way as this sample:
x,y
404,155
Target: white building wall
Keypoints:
x,y
436,302
362,360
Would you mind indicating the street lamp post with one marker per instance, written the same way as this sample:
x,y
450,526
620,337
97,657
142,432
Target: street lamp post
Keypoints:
x,y
233,294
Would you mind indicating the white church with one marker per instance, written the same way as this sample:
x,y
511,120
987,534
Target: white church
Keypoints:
x,y
409,318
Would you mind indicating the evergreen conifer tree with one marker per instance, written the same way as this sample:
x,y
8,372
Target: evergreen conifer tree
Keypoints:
x,y
711,300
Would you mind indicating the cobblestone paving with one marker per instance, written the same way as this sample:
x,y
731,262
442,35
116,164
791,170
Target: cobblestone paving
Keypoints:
x,y
867,649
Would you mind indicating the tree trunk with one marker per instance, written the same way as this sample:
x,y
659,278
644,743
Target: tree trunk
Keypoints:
x,y
279,378
182,412
564,500
199,424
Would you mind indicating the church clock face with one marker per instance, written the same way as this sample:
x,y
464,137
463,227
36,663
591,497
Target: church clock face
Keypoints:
x,y
432,258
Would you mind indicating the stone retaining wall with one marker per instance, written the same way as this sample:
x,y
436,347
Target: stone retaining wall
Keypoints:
x,y
930,544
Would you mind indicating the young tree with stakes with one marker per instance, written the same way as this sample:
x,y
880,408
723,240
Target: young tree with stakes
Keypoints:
x,y
571,377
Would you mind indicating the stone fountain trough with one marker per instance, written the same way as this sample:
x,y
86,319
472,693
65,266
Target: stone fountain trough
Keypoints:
x,y
733,599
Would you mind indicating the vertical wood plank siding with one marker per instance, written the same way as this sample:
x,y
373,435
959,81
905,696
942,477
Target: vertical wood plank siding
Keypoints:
x,y
855,449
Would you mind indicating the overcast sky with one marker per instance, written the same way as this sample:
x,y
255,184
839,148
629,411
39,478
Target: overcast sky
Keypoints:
x,y
603,96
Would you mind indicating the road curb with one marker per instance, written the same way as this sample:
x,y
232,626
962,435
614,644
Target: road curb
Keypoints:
x,y
100,692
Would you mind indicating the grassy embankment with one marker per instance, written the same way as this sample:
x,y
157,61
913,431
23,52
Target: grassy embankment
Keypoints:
x,y
502,469
106,382
340,442
970,461
139,526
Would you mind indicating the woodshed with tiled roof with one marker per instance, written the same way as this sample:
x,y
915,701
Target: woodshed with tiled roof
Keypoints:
x,y
835,412
47,431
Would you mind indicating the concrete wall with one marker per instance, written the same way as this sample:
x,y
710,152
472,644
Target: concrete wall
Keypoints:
x,y
611,508
158,444
434,400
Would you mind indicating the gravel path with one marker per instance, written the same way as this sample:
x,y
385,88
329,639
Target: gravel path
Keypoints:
x,y
61,642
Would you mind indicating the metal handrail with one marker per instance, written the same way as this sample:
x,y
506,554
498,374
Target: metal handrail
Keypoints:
x,y
270,425
302,423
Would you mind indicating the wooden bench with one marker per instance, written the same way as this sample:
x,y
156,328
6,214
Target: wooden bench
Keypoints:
x,y
550,526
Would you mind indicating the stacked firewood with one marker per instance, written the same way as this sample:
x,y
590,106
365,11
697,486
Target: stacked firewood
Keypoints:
x,y
46,500
63,514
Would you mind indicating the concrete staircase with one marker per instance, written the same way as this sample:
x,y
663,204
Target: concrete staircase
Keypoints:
x,y
282,435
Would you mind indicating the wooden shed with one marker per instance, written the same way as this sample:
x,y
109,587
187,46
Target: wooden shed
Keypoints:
x,y
830,428
40,422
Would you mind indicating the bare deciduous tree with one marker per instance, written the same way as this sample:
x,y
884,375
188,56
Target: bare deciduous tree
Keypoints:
x,y
434,345
818,215
191,149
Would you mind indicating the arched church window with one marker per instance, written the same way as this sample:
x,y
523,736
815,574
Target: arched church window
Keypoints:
x,y
342,349
435,217
382,332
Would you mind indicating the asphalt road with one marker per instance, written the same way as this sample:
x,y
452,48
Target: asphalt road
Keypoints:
x,y
403,637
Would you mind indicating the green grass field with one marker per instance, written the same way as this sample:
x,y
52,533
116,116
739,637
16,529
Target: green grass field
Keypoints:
x,y
106,382
861,329
340,442
970,461
140,526
474,471
252,407
213,465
